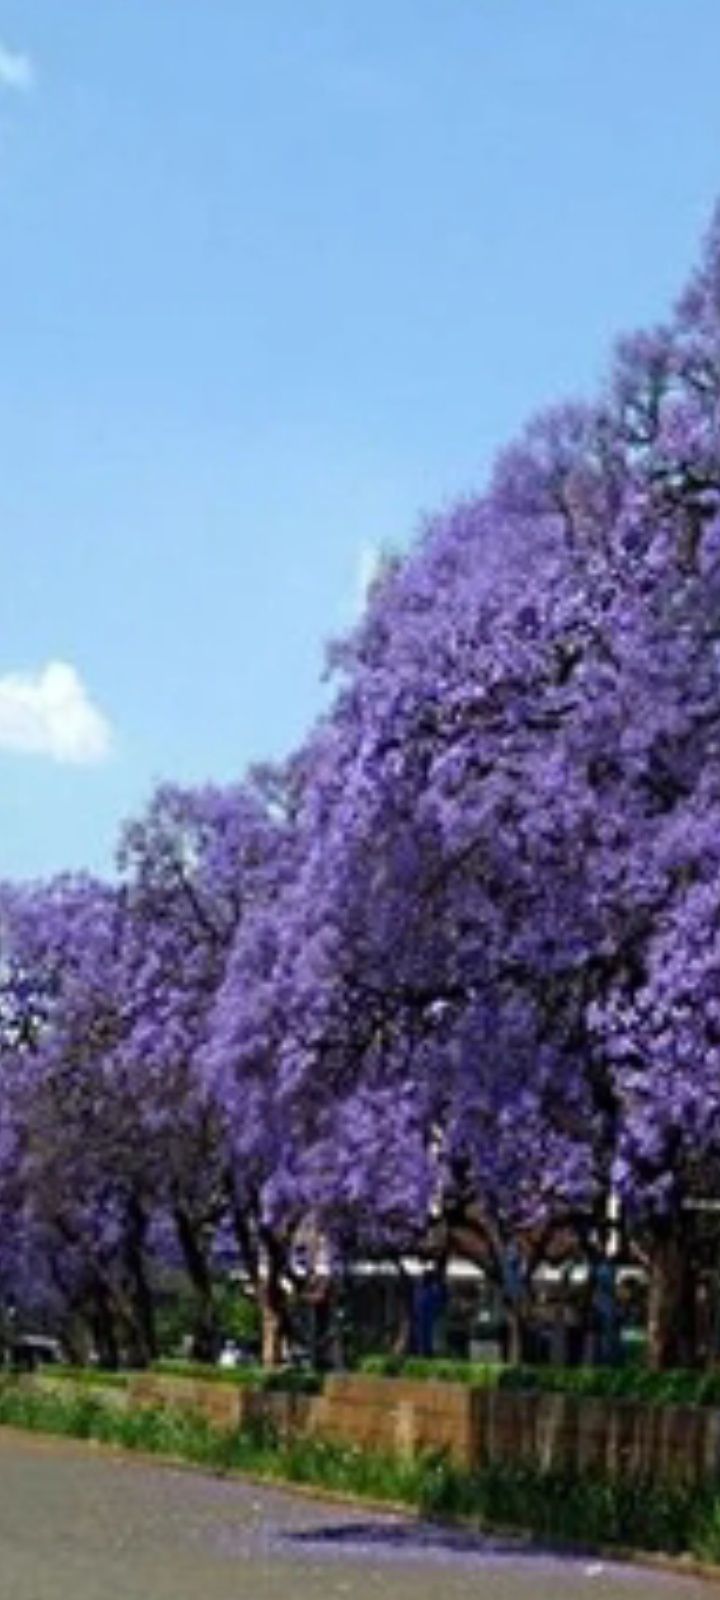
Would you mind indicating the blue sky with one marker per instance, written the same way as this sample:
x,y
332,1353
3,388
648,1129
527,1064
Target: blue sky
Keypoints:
x,y
277,276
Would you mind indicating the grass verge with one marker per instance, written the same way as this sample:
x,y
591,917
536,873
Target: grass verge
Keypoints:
x,y
287,1380
89,1377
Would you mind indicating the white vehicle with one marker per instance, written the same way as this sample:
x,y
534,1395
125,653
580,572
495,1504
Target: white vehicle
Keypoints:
x,y
230,1355
30,1350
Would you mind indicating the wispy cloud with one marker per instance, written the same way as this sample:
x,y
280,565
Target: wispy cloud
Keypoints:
x,y
369,562
372,559
50,713
17,71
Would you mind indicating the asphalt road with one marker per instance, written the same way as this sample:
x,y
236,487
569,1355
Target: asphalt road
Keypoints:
x,y
78,1522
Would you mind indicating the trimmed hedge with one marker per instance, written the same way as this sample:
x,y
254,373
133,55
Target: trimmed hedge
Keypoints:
x,y
610,1383
440,1369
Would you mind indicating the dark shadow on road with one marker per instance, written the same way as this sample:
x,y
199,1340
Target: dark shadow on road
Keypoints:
x,y
422,1537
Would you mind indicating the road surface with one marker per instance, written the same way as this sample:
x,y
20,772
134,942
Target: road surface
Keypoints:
x,y
79,1522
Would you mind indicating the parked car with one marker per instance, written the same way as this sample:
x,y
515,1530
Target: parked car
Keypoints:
x,y
31,1350
235,1354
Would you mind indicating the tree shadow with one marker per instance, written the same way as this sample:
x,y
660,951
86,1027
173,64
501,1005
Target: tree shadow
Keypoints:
x,y
420,1538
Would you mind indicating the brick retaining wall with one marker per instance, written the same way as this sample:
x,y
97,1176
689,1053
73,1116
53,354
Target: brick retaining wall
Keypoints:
x,y
399,1415
476,1427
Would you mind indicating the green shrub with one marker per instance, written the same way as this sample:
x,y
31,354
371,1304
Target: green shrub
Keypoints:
x,y
629,1383
437,1368
236,1316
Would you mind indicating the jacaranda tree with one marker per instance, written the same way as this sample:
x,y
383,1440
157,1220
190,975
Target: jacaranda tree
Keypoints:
x,y
449,980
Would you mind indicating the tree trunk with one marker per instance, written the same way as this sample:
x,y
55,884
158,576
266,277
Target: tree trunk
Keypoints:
x,y
671,1299
261,1258
515,1335
402,1338
143,1309
104,1332
273,1306
272,1336
245,1222
205,1331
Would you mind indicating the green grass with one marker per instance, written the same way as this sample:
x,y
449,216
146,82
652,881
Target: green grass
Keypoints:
x,y
89,1377
592,1510
608,1383
288,1380
175,1432
439,1369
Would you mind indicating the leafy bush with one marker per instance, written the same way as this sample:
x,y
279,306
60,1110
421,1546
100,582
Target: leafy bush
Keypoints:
x,y
235,1314
238,1316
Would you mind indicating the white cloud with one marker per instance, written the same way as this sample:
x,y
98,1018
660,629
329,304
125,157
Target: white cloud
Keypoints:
x,y
369,565
50,713
16,70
